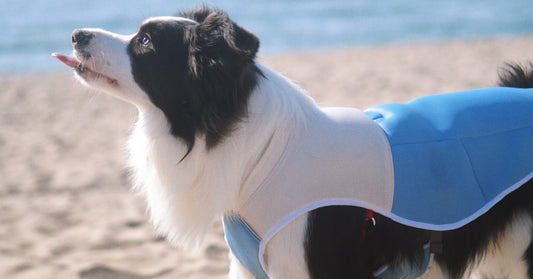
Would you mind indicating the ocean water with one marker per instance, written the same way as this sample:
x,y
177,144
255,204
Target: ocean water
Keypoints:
x,y
32,29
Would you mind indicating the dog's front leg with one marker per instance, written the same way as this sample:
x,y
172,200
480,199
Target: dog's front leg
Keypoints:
x,y
236,270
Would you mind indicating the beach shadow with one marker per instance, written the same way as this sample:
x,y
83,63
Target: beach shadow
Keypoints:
x,y
104,272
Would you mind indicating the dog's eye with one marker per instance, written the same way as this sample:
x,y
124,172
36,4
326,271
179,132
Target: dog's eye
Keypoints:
x,y
145,40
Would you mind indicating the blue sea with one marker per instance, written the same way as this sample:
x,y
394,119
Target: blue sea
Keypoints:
x,y
32,29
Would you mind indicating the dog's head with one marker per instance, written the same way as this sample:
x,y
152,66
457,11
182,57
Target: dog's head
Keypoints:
x,y
198,69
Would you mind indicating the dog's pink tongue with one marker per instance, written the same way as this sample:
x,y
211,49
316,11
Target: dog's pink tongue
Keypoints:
x,y
68,60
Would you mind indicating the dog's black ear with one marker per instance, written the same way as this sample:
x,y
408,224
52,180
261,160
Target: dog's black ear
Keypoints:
x,y
218,41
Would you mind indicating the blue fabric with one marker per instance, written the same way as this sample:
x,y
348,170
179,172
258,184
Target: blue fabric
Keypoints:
x,y
455,154
244,244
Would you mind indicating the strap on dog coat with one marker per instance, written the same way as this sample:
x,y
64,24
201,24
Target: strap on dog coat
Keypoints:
x,y
410,162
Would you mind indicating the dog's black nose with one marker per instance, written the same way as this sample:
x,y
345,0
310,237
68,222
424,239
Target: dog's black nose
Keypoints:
x,y
80,38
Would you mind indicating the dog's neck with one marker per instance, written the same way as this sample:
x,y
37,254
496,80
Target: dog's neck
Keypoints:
x,y
185,196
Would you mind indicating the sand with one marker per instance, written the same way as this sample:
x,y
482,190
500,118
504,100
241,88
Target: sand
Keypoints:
x,y
66,210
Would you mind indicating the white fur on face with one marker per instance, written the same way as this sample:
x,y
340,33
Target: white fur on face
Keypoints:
x,y
108,56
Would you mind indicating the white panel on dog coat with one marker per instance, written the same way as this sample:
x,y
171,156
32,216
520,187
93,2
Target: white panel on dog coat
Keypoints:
x,y
340,155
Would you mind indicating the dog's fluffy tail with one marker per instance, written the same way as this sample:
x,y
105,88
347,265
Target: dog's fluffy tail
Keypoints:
x,y
516,75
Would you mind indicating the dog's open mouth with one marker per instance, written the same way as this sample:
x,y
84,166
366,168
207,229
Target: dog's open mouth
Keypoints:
x,y
82,70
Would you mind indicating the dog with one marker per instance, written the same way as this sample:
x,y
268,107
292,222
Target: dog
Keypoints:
x,y
213,124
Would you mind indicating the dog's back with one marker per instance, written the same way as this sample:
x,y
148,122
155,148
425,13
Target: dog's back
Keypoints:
x,y
497,244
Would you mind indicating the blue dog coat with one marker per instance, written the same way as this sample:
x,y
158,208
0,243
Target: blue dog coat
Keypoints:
x,y
436,163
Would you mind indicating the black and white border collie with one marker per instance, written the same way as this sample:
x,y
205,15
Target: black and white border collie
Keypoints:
x,y
206,112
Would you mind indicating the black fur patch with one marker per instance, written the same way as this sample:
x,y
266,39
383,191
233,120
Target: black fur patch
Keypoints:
x,y
199,74
516,75
334,248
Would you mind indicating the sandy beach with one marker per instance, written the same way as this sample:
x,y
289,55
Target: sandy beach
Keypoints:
x,y
66,208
